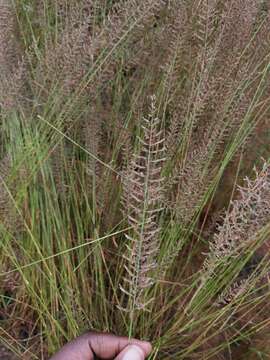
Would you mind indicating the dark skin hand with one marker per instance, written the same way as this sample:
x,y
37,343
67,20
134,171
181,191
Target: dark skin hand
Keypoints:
x,y
93,345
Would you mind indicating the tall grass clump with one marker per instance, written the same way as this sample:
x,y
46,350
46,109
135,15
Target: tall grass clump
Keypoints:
x,y
135,175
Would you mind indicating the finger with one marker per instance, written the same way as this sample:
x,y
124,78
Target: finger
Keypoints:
x,y
77,349
132,352
105,346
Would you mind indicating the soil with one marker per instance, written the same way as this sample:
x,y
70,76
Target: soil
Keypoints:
x,y
5,354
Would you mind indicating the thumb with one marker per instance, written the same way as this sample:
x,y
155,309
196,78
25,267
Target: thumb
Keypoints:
x,y
132,352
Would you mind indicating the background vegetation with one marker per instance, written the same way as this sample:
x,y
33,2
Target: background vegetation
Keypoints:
x,y
129,201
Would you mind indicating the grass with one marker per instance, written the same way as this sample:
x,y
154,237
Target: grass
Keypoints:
x,y
69,147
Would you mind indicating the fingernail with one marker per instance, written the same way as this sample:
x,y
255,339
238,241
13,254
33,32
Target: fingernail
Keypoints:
x,y
133,352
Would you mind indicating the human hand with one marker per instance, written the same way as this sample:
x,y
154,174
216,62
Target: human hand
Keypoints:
x,y
104,346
